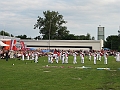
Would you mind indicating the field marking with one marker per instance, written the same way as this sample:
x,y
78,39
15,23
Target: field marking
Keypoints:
x,y
82,67
103,68
46,71
77,78
113,70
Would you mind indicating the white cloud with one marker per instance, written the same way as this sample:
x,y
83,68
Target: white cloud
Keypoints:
x,y
83,16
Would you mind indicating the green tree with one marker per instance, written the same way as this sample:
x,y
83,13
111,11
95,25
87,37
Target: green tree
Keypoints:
x,y
69,37
88,37
21,36
11,35
4,33
51,25
93,38
112,42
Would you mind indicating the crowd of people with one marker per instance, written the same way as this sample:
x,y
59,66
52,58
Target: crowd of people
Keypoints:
x,y
57,55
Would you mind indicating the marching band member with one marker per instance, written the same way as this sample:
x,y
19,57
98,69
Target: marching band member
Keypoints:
x,y
95,57
75,59
51,57
57,57
28,56
82,57
105,58
33,56
23,56
90,55
100,56
60,56
63,57
36,57
117,56
66,57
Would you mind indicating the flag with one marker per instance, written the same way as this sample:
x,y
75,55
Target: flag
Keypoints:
x,y
22,45
13,45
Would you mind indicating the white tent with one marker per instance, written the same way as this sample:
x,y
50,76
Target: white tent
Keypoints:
x,y
3,44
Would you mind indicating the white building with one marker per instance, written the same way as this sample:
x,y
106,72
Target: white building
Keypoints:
x,y
65,44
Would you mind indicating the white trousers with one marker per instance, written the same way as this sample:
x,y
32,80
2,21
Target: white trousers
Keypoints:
x,y
74,61
94,60
105,61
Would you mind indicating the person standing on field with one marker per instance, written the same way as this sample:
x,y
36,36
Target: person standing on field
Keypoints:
x,y
63,57
7,55
23,56
36,57
117,56
49,57
75,57
82,57
105,58
57,57
100,56
66,57
90,54
95,57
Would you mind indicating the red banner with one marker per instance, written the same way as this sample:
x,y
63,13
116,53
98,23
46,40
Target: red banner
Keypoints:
x,y
13,45
22,45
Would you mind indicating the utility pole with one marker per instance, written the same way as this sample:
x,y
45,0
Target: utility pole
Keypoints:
x,y
50,29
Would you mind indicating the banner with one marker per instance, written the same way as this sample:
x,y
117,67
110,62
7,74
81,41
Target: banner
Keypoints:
x,y
22,45
13,45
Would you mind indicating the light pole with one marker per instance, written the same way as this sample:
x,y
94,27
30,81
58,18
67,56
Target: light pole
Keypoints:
x,y
50,30
49,35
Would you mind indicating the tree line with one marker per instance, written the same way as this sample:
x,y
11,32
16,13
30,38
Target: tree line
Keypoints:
x,y
67,37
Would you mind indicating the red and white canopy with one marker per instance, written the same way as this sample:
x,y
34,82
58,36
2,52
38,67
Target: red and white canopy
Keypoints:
x,y
3,44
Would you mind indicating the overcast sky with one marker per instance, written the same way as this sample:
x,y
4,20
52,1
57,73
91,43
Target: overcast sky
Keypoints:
x,y
83,16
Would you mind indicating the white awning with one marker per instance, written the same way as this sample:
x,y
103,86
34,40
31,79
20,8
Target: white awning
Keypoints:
x,y
3,44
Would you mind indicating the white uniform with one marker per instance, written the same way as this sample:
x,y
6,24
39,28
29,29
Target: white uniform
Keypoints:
x,y
95,57
82,58
90,56
51,58
36,58
49,61
33,56
118,57
66,57
28,57
105,58
60,56
100,56
23,57
75,59
57,57
63,58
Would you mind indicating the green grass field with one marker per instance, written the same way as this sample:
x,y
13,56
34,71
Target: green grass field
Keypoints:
x,y
27,75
